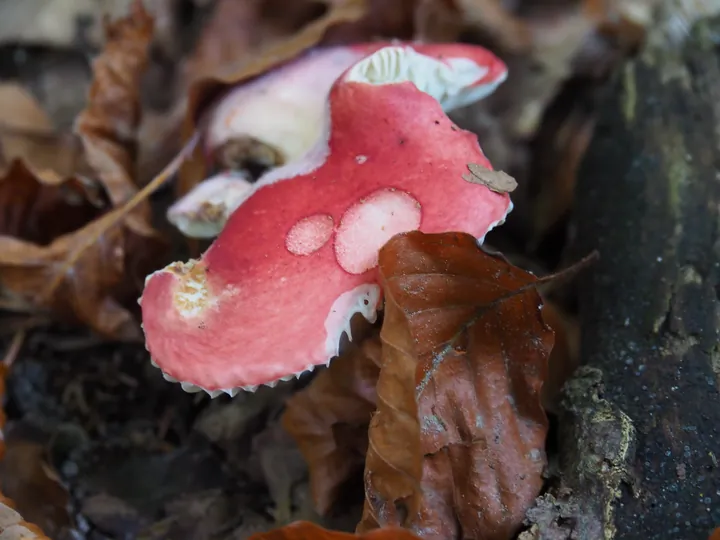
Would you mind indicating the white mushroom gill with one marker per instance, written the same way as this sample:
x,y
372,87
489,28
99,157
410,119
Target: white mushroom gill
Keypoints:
x,y
449,81
363,299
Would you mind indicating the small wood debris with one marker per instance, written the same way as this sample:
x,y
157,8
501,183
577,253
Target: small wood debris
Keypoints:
x,y
496,181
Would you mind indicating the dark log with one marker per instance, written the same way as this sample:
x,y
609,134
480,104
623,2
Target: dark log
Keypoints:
x,y
648,200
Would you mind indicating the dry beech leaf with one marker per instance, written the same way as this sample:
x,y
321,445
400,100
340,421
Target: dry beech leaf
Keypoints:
x,y
239,28
108,125
457,446
12,524
84,272
383,19
247,66
37,212
244,67
560,154
329,419
31,482
443,20
496,181
28,134
304,530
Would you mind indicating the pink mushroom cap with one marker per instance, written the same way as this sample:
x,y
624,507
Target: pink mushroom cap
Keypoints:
x,y
273,295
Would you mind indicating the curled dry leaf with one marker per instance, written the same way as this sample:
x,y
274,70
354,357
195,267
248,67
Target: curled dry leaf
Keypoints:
x,y
108,125
329,419
28,134
304,530
496,181
246,66
448,19
86,271
456,448
32,483
12,525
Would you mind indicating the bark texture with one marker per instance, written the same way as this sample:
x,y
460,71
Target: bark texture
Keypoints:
x,y
649,200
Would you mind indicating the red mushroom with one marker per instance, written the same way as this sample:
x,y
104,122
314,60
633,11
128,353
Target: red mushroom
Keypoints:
x,y
272,296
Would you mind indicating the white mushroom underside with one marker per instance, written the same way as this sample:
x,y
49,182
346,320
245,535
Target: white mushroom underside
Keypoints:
x,y
282,109
449,81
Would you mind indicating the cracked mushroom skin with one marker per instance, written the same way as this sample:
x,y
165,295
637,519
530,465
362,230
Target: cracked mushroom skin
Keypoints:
x,y
272,296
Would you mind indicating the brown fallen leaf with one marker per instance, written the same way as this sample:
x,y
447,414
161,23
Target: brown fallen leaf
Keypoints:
x,y
28,134
12,524
443,20
329,419
457,446
304,530
382,19
559,157
715,535
32,483
496,181
38,212
87,272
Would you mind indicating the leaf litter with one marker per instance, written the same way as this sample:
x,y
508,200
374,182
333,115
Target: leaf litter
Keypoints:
x,y
78,273
139,457
457,446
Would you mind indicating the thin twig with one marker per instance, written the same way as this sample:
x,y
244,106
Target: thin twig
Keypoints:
x,y
14,349
114,217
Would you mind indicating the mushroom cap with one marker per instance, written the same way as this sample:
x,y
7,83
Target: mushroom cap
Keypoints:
x,y
298,258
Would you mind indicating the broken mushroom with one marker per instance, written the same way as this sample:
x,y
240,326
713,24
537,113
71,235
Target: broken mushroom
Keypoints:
x,y
281,110
271,298
203,211
268,121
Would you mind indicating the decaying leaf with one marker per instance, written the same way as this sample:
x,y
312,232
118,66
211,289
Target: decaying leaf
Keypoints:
x,y
12,524
108,125
447,19
304,530
86,271
28,134
32,483
457,446
329,419
496,181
